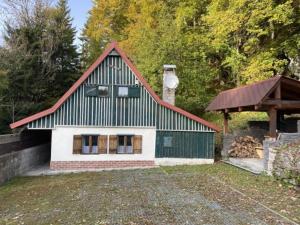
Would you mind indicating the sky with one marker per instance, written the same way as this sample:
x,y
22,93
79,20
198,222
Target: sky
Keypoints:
x,y
79,13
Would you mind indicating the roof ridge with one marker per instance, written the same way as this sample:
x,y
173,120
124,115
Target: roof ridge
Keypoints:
x,y
246,95
255,83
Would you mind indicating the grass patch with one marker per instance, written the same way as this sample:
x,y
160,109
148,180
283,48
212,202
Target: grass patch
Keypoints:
x,y
262,188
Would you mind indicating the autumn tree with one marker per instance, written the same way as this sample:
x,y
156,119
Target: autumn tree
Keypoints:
x,y
106,22
155,33
216,44
256,39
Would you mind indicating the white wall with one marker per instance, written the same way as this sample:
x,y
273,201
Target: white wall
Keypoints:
x,y
62,143
182,161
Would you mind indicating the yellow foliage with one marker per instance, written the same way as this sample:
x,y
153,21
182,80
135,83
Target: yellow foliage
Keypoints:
x,y
262,66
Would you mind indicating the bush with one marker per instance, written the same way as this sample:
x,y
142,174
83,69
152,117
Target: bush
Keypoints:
x,y
286,165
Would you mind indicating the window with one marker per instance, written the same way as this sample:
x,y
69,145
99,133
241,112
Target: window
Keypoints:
x,y
129,91
91,91
123,91
125,144
96,91
168,141
103,91
89,144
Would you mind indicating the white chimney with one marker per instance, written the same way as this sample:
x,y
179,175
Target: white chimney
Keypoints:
x,y
170,83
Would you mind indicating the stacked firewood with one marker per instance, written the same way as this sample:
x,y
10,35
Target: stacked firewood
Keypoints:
x,y
245,147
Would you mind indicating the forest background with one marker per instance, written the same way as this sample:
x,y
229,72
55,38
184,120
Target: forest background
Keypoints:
x,y
215,44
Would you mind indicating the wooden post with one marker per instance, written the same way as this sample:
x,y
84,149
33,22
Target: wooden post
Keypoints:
x,y
278,92
225,128
273,122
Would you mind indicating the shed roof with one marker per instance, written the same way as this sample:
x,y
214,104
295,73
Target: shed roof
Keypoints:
x,y
255,94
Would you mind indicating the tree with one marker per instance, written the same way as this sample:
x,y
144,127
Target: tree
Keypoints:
x,y
28,62
155,33
216,44
6,110
41,60
65,55
251,36
172,33
106,22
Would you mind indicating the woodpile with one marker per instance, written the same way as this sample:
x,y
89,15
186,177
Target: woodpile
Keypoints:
x,y
245,147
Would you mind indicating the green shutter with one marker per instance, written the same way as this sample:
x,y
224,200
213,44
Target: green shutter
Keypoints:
x,y
134,92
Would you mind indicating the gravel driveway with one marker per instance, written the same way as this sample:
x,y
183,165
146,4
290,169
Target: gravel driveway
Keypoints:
x,y
151,196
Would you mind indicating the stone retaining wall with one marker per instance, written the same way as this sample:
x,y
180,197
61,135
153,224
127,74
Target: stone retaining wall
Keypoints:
x,y
16,163
270,146
228,139
26,139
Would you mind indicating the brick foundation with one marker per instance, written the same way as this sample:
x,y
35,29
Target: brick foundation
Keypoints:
x,y
74,165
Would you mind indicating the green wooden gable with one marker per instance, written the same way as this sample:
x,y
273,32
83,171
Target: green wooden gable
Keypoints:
x,y
138,109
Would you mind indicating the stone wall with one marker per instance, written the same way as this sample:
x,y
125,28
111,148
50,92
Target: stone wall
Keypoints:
x,y
270,145
26,139
9,138
228,139
16,163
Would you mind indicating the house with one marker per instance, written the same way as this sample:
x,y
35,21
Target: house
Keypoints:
x,y
112,118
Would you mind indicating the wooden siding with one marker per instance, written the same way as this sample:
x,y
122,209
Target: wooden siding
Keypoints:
x,y
185,144
171,120
112,111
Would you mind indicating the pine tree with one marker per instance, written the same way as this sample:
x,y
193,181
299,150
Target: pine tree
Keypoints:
x,y
29,72
5,108
65,56
41,61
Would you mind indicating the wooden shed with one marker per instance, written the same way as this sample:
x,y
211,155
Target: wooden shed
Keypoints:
x,y
277,96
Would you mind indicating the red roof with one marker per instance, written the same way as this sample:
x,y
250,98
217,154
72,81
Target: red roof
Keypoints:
x,y
112,46
253,97
247,95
